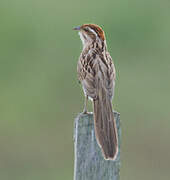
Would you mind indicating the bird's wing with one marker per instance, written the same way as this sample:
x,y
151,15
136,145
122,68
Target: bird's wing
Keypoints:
x,y
111,75
94,71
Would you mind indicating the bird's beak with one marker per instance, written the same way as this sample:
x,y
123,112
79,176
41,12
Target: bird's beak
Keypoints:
x,y
77,28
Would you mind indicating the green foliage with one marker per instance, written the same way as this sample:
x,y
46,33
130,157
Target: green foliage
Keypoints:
x,y
40,95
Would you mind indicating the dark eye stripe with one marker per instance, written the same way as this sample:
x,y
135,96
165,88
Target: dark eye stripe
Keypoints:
x,y
98,31
86,30
95,30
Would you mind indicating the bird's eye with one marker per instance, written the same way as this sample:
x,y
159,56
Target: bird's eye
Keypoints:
x,y
86,30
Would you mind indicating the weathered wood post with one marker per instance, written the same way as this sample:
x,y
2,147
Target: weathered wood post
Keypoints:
x,y
89,163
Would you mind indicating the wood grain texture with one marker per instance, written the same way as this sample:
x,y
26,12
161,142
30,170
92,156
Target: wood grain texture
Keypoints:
x,y
89,161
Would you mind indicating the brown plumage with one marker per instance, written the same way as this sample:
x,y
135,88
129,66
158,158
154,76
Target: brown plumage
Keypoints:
x,y
96,73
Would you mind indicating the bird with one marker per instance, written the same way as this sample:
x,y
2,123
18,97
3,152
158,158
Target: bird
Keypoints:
x,y
96,73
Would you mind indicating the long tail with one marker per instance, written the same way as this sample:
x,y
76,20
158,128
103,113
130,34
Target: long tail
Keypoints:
x,y
105,125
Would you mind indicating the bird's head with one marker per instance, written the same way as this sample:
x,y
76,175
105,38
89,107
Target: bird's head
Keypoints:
x,y
90,32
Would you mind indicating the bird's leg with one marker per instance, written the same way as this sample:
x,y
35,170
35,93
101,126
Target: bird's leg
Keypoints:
x,y
85,104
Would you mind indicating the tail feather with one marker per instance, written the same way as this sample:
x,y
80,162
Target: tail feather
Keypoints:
x,y
105,125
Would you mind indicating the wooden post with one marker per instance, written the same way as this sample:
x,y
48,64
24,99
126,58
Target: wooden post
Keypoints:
x,y
89,162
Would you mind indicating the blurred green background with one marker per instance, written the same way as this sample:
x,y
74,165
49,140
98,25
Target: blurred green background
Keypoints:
x,y
40,95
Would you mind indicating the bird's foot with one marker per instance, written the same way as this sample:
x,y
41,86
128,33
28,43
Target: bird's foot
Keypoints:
x,y
85,111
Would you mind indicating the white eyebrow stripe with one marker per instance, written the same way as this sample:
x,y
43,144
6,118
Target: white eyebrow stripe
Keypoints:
x,y
90,29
